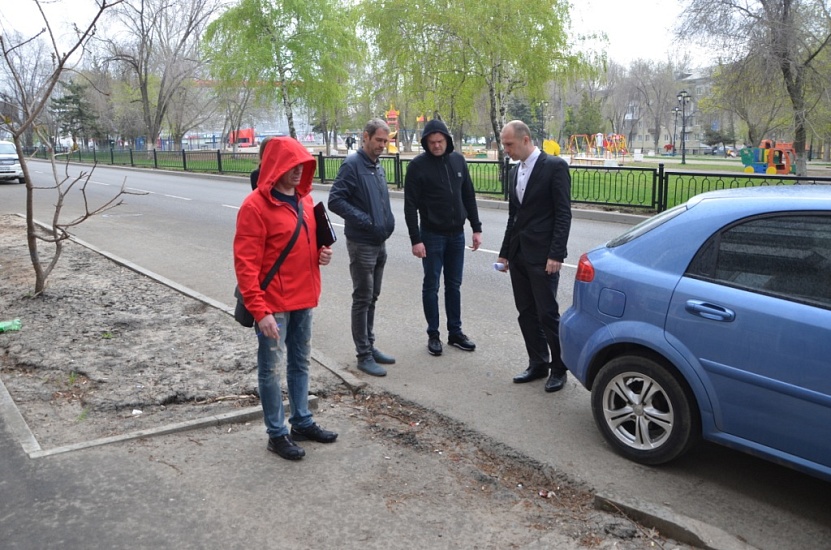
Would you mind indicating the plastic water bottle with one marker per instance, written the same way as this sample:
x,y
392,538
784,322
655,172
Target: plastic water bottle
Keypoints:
x,y
7,326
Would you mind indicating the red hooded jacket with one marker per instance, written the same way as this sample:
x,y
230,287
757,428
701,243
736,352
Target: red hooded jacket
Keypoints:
x,y
265,226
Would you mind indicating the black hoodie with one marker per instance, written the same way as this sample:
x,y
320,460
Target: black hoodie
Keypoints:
x,y
438,190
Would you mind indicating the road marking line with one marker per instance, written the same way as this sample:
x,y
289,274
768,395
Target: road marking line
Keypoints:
x,y
497,253
177,197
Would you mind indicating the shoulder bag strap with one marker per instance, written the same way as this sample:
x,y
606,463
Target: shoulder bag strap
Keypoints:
x,y
288,247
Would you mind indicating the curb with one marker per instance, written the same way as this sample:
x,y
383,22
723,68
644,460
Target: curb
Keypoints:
x,y
20,430
670,524
243,415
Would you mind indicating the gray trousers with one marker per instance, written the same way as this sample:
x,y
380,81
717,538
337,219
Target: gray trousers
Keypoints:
x,y
366,265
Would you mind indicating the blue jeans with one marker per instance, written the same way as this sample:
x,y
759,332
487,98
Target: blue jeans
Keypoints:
x,y
294,347
366,265
447,252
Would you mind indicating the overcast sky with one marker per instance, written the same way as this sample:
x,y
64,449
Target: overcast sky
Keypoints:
x,y
636,28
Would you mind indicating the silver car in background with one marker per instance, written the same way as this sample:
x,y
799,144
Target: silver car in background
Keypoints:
x,y
10,167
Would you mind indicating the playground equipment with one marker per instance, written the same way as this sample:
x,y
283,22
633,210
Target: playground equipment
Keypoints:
x,y
583,149
392,122
769,158
580,145
616,145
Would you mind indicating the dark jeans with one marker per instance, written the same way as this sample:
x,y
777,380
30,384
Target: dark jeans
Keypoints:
x,y
535,295
366,265
443,252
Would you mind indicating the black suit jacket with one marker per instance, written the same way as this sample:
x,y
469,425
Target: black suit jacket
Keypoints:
x,y
538,227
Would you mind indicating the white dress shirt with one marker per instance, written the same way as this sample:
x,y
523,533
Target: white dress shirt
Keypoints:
x,y
524,172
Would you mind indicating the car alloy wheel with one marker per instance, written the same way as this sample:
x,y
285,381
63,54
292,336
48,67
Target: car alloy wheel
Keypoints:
x,y
643,410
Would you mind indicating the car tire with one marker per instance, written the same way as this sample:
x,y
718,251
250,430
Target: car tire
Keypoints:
x,y
644,411
21,180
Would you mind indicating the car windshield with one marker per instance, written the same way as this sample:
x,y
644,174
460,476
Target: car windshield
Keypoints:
x,y
646,226
7,149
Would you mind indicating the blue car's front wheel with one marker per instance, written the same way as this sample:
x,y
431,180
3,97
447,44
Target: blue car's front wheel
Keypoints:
x,y
644,410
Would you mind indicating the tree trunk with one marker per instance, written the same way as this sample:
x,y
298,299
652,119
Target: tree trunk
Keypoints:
x,y
497,116
284,95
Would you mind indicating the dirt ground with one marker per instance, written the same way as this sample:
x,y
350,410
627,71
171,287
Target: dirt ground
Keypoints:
x,y
107,351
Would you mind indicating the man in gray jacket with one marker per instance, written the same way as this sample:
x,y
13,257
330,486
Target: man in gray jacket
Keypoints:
x,y
360,196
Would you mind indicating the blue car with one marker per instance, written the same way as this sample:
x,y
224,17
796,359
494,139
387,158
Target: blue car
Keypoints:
x,y
713,320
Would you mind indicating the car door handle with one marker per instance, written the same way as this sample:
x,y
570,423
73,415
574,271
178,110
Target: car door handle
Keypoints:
x,y
710,311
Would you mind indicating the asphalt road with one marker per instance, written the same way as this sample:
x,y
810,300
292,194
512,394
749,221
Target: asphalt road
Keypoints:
x,y
183,229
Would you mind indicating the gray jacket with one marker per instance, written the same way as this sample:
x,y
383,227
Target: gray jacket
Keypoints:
x,y
360,196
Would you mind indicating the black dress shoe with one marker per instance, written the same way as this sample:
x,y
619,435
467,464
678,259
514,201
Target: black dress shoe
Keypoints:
x,y
285,447
555,382
313,433
531,374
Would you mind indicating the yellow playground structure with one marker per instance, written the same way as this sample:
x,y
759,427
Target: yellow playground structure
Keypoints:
x,y
608,150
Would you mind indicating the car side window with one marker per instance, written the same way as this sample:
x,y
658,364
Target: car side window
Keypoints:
x,y
783,255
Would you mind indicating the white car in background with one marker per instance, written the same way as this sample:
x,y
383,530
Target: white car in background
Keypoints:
x,y
10,167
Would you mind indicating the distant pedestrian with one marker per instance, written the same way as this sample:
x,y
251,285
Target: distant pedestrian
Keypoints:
x,y
266,222
360,196
350,141
256,172
438,200
534,247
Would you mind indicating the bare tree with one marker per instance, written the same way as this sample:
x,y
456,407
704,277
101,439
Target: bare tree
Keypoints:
x,y
26,103
620,94
622,107
159,48
192,105
788,35
26,72
656,87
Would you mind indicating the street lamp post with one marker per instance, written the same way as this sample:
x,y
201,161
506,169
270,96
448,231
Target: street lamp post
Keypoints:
x,y
683,99
675,111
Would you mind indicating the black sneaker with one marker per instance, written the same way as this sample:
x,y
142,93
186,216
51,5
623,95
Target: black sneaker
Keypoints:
x,y
285,447
434,345
461,341
313,433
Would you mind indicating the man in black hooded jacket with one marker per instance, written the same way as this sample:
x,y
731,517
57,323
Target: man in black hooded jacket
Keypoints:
x,y
438,199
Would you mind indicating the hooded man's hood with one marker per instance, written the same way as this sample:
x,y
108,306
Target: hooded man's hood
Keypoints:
x,y
281,155
432,127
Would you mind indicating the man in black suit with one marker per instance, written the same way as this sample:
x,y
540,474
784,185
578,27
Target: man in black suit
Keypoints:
x,y
534,247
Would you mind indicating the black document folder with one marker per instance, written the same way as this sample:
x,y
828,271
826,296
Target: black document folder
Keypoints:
x,y
325,232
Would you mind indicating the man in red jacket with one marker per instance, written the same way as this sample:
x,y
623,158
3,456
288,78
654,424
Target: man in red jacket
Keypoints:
x,y
266,222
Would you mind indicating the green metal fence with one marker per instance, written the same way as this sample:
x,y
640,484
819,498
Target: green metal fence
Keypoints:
x,y
650,189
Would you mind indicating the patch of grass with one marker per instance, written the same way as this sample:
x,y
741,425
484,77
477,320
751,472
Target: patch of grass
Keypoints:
x,y
107,335
83,415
